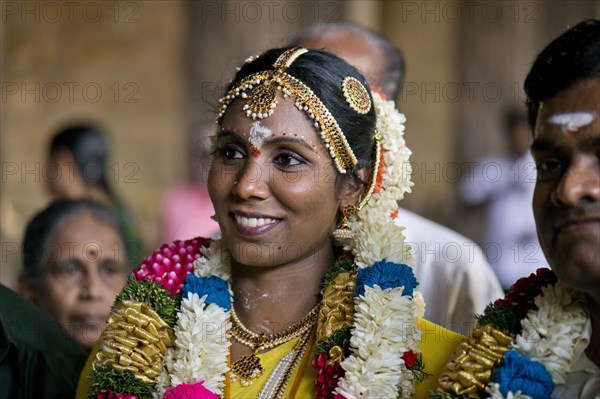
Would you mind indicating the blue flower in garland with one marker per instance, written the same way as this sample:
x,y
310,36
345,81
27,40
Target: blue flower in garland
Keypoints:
x,y
213,286
386,275
520,373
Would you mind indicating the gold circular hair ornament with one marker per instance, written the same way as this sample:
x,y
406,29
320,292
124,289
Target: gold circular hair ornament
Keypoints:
x,y
356,95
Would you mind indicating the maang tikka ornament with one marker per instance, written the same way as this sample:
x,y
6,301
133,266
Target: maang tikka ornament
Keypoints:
x,y
260,92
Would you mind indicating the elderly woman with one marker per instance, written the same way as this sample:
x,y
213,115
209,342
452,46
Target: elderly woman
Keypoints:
x,y
74,265
308,294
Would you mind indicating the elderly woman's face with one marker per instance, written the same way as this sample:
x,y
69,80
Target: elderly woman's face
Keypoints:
x,y
83,273
273,186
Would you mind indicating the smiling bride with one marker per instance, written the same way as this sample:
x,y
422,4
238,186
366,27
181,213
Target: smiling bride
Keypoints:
x,y
310,292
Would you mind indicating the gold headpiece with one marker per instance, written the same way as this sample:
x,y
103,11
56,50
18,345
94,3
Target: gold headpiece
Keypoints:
x,y
356,95
260,92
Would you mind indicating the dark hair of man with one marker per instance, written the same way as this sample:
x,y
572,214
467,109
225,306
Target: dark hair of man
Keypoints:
x,y
571,58
36,241
324,73
513,116
395,68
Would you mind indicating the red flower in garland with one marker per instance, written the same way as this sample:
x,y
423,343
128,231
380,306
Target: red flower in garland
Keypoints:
x,y
327,376
410,358
170,264
345,255
520,297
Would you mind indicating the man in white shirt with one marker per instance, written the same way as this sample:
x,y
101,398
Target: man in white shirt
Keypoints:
x,y
455,279
505,185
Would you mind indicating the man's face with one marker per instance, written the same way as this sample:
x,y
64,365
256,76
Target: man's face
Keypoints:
x,y
566,201
355,50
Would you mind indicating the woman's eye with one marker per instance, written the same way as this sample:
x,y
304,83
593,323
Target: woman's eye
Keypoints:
x,y
549,169
68,269
230,152
288,160
112,268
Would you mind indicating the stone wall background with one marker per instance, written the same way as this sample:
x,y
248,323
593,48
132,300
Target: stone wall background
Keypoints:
x,y
151,71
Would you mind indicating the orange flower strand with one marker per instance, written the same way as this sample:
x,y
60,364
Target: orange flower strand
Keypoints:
x,y
380,172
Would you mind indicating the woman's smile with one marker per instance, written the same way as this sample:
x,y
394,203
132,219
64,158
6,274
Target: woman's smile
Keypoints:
x,y
254,224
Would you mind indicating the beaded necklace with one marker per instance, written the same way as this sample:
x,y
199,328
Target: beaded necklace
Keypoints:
x,y
248,367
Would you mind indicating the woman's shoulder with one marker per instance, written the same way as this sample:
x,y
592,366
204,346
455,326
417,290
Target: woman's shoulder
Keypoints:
x,y
437,345
433,334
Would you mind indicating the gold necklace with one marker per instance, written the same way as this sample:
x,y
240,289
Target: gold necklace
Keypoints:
x,y
248,367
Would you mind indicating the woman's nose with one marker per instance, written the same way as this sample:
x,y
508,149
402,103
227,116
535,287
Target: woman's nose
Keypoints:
x,y
252,181
91,286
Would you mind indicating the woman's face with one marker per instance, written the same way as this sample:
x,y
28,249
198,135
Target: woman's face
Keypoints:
x,y
83,273
273,186
63,178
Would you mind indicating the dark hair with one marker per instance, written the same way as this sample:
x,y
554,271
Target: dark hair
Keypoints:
x,y
571,58
394,66
512,117
323,73
48,221
89,148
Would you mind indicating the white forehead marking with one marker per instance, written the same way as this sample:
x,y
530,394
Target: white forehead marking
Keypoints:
x,y
258,134
571,122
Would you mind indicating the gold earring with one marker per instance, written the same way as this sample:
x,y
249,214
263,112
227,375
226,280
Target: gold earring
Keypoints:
x,y
343,233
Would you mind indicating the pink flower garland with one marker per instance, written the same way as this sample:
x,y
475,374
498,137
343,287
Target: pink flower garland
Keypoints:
x,y
170,264
327,376
190,391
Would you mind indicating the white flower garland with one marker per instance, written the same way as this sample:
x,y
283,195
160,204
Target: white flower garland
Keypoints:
x,y
375,237
376,369
550,334
201,334
494,390
201,346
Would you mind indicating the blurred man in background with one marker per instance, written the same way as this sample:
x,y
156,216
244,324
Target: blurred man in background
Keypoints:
x,y
505,184
454,289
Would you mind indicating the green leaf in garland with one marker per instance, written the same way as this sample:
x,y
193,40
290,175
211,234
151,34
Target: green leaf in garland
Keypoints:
x,y
337,338
346,265
150,293
108,378
501,318
418,369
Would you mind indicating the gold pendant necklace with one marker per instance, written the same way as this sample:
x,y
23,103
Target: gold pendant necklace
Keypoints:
x,y
248,368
